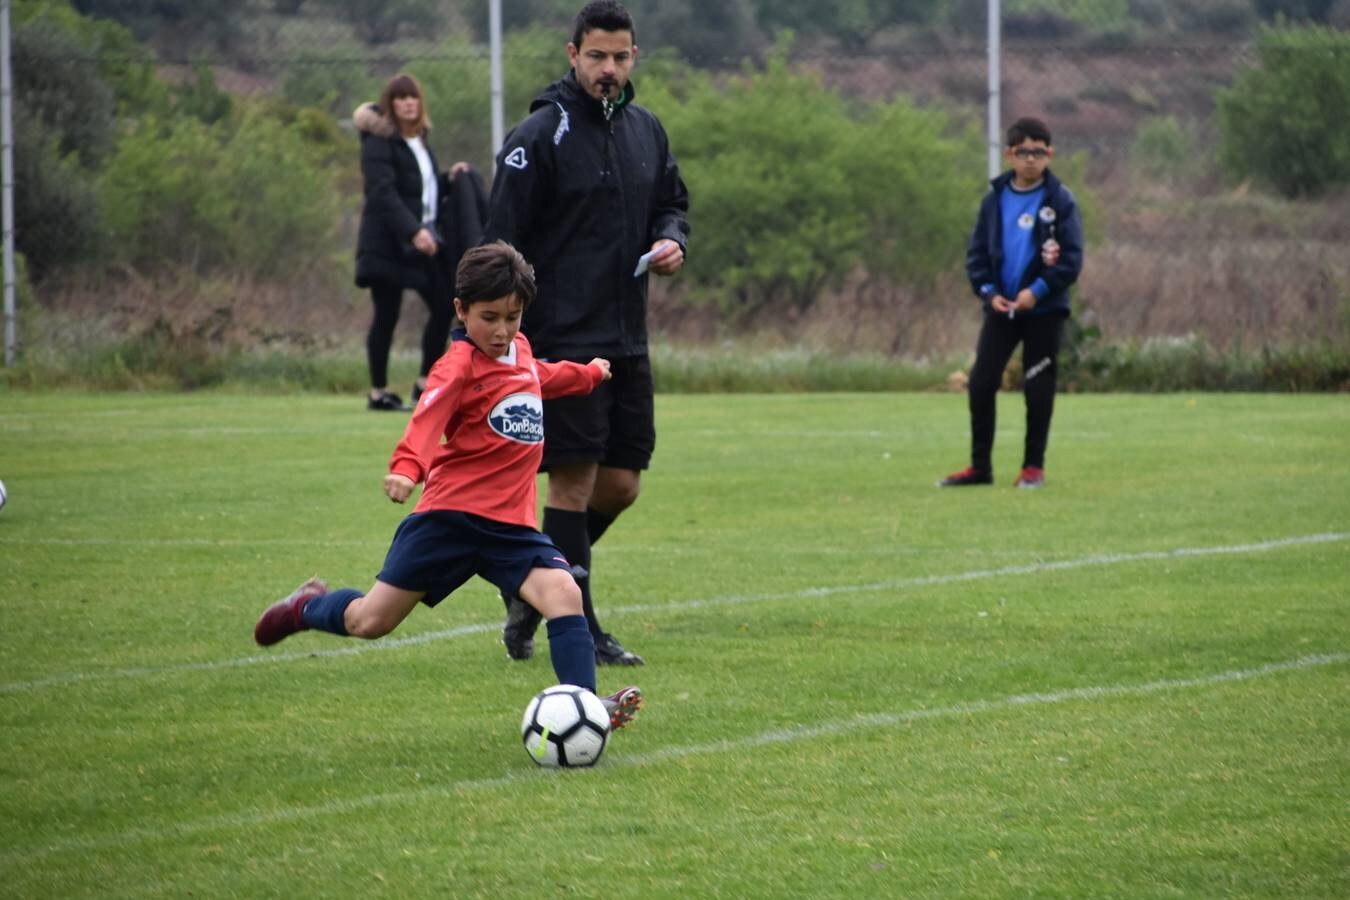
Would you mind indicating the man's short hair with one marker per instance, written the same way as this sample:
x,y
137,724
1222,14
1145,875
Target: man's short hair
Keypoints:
x,y
493,271
607,15
1027,127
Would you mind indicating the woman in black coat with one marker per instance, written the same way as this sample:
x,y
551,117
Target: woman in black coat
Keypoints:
x,y
400,245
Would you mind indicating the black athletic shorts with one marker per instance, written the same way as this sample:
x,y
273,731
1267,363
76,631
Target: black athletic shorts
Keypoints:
x,y
614,425
438,550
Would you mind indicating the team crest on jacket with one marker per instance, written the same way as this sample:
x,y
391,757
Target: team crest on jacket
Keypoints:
x,y
519,417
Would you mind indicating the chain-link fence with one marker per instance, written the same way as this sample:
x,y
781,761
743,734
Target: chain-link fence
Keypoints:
x,y
177,159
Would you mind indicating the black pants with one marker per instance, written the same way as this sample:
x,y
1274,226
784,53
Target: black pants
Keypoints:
x,y
388,301
999,336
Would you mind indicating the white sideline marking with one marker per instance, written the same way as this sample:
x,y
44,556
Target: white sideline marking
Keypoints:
x,y
353,649
347,805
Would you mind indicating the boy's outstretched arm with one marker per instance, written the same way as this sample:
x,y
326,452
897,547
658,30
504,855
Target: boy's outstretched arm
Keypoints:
x,y
563,379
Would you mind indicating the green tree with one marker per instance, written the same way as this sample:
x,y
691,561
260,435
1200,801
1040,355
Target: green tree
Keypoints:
x,y
793,189
249,193
853,22
1296,10
382,21
1283,121
706,33
72,76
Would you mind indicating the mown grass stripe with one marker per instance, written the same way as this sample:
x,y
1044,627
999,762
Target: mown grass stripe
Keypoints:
x,y
261,818
73,678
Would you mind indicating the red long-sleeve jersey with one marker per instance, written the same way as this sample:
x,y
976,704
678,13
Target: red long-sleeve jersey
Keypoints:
x,y
491,414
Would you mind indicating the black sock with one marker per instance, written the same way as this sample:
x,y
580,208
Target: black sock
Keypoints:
x,y
567,529
597,523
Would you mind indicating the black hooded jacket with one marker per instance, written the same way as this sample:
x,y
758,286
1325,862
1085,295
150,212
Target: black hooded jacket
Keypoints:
x,y
583,198
392,212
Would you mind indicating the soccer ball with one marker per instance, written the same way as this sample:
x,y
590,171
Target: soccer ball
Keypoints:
x,y
565,726
3,495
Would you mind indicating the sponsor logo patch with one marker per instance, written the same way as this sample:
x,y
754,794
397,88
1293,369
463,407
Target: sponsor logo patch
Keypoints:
x,y
519,417
516,158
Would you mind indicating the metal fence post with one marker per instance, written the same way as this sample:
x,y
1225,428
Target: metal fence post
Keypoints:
x,y
7,185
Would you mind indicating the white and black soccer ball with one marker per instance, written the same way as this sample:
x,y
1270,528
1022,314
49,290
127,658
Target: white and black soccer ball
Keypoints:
x,y
565,726
4,495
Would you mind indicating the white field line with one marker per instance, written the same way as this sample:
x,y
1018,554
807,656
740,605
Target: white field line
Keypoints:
x,y
256,818
355,648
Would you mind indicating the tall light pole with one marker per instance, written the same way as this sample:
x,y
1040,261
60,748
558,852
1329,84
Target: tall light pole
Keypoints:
x,y
995,92
495,66
7,185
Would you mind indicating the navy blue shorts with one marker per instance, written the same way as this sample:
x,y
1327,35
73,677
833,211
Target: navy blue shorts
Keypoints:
x,y
437,551
614,425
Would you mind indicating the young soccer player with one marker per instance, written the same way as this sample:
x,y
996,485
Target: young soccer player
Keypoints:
x,y
477,512
1025,253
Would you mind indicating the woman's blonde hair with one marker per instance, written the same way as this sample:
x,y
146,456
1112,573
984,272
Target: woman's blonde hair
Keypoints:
x,y
404,85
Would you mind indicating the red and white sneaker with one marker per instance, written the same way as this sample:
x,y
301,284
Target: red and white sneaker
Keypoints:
x,y
1031,477
622,706
283,618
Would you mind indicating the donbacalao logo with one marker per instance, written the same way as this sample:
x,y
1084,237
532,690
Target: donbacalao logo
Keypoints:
x,y
519,417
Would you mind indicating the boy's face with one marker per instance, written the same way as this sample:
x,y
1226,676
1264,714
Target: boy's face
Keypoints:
x,y
1029,160
492,324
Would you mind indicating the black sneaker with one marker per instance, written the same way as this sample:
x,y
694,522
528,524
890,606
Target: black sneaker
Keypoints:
x,y
609,652
522,620
386,402
417,392
967,476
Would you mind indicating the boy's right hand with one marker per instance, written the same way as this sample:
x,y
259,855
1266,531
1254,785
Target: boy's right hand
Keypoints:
x,y
603,365
398,487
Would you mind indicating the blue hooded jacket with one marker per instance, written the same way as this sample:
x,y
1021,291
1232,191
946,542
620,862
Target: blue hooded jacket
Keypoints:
x,y
1058,217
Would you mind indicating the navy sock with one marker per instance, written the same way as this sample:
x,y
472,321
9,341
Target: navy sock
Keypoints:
x,y
325,613
573,651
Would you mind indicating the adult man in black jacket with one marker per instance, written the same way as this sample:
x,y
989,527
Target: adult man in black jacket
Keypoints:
x,y
587,189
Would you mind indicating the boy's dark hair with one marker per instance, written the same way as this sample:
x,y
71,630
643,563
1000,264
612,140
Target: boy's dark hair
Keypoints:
x,y
1027,127
607,15
493,271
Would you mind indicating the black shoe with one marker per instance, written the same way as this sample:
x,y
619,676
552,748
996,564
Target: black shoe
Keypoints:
x,y
522,620
609,652
966,477
386,402
417,392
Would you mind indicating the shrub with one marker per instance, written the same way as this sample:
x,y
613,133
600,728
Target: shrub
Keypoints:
x,y
793,188
1163,150
1283,122
246,193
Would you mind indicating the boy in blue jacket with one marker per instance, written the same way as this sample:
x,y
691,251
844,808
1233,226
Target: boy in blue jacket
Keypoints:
x,y
1025,253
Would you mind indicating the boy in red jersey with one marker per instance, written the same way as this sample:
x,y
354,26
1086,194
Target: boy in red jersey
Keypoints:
x,y
477,511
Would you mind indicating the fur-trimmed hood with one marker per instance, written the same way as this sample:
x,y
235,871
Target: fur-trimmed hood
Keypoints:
x,y
370,119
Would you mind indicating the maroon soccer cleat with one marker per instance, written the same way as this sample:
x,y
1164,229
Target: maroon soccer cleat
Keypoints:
x,y
622,706
283,618
1031,477
967,477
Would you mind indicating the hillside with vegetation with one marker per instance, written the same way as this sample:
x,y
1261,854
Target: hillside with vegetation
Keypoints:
x,y
187,178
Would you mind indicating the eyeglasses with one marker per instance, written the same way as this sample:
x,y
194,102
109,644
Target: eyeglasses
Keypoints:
x,y
1031,153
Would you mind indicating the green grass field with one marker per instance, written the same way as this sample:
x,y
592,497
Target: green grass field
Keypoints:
x,y
1132,683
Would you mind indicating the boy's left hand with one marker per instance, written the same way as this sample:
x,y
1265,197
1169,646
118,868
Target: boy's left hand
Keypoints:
x,y
1025,300
398,487
603,366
